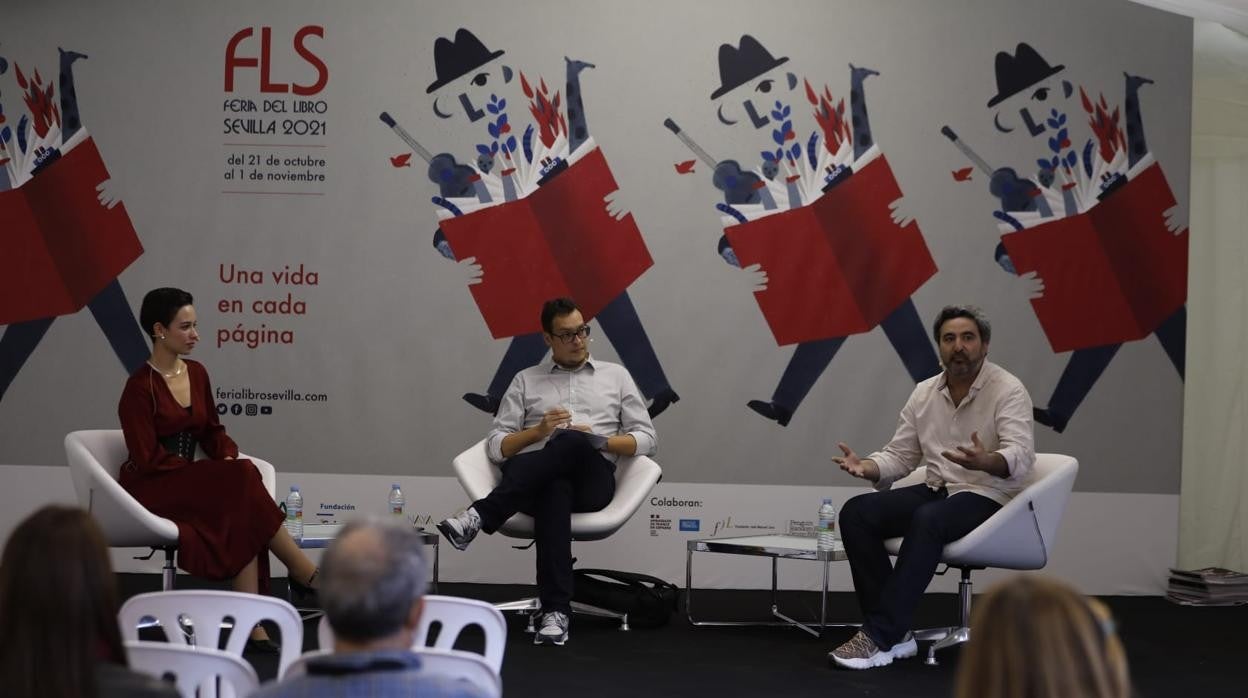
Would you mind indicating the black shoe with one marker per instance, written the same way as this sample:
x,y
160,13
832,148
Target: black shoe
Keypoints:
x,y
486,403
662,401
262,646
770,410
1054,421
302,596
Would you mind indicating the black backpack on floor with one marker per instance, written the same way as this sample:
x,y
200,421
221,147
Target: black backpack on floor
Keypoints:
x,y
648,601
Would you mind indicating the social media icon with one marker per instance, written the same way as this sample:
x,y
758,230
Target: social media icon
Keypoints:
x,y
252,409
236,409
222,408
266,409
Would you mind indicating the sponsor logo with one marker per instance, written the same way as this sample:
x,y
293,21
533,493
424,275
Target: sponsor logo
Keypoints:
x,y
337,507
728,525
658,523
690,524
802,528
671,502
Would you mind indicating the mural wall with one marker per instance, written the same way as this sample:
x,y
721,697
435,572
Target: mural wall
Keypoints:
x,y
760,209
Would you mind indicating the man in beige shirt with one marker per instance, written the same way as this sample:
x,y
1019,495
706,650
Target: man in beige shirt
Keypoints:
x,y
971,427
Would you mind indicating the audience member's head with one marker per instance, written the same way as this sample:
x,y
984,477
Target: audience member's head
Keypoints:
x,y
58,606
1033,637
372,579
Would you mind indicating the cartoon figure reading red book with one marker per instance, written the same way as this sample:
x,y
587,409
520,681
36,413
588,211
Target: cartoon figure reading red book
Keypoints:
x,y
1096,233
64,235
822,229
535,217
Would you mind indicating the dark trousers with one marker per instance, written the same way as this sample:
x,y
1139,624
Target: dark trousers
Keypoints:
x,y
566,476
929,520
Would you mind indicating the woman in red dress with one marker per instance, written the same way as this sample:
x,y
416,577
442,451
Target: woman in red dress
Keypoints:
x,y
227,521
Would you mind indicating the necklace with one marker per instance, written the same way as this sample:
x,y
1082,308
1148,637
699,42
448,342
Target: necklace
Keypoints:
x,y
174,374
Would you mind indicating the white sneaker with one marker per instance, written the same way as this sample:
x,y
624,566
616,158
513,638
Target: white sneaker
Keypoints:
x,y
906,648
461,528
554,629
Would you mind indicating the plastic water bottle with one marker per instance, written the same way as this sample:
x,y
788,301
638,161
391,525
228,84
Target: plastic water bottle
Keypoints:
x,y
294,513
827,525
396,502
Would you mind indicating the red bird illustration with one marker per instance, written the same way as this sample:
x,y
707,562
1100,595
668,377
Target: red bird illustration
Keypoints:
x,y
401,160
963,175
685,167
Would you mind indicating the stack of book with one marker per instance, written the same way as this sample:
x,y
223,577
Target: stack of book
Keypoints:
x,y
1208,586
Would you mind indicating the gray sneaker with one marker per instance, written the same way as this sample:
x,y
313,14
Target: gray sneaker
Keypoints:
x,y
460,529
860,652
554,629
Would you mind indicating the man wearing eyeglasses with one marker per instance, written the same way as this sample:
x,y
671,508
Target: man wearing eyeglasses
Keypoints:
x,y
557,435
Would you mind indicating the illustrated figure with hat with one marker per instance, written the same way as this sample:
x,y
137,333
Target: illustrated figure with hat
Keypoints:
x,y
469,74
1030,101
789,177
53,265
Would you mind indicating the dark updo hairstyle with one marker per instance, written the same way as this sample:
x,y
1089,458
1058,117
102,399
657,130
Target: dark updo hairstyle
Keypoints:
x,y
162,305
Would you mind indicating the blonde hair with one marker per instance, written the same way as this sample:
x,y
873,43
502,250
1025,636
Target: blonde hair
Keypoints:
x,y
1033,637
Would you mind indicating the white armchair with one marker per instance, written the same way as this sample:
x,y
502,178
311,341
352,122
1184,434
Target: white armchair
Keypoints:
x,y
635,476
95,458
1019,536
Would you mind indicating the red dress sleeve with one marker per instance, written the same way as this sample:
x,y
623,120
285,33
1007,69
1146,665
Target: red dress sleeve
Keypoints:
x,y
137,412
215,442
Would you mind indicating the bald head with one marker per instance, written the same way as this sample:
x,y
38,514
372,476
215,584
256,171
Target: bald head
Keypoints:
x,y
371,576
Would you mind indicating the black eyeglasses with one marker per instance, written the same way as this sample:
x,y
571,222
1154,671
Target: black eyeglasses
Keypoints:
x,y
582,332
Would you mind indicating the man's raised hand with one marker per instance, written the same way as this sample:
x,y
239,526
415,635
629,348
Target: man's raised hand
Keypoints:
x,y
858,467
978,458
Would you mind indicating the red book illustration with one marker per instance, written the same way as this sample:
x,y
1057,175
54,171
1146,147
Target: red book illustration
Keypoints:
x,y
558,241
839,265
1111,274
60,246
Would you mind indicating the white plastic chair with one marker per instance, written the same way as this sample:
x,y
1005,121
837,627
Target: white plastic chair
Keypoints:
x,y
635,476
465,666
195,670
206,611
1019,536
95,458
455,614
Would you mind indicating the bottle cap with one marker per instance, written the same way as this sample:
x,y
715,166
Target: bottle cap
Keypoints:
x,y
294,488
827,500
394,486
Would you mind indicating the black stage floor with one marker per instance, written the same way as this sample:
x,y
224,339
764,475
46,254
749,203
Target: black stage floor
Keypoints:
x,y
1173,650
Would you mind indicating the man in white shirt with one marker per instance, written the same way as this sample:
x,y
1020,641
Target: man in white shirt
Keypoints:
x,y
557,435
971,426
